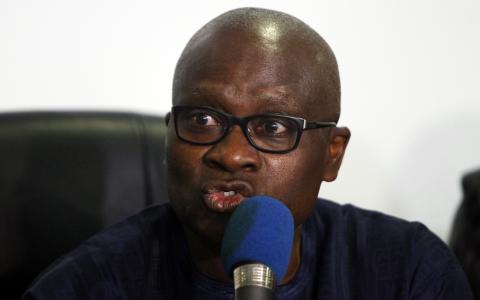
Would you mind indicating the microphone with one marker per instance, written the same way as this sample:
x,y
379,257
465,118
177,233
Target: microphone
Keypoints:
x,y
256,246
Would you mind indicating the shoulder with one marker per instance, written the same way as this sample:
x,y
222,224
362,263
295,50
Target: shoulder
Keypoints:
x,y
140,229
368,234
391,249
354,221
98,267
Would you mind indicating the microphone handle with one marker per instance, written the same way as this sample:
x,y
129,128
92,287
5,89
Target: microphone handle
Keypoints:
x,y
254,281
254,292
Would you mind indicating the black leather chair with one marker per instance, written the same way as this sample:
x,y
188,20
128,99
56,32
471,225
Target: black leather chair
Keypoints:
x,y
66,175
465,237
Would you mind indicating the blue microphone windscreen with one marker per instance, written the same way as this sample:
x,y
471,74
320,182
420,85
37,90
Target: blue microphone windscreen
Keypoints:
x,y
260,230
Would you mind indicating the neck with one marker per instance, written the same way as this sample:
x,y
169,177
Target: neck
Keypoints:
x,y
206,256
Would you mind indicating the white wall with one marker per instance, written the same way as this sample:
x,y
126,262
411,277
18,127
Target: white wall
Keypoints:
x,y
410,74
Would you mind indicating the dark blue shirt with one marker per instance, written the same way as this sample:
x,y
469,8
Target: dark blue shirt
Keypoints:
x,y
347,253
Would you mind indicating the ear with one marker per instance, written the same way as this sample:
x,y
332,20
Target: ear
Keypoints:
x,y
338,142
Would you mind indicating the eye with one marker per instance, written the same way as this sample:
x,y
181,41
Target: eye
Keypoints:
x,y
201,119
204,119
273,127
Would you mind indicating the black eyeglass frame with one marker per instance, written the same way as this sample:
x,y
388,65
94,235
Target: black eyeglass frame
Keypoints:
x,y
231,120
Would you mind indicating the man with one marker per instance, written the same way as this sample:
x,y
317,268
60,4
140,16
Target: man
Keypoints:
x,y
465,234
245,88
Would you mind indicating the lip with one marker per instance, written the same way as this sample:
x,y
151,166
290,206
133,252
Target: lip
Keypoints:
x,y
215,200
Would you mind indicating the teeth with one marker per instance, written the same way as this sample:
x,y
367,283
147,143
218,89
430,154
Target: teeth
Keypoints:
x,y
229,193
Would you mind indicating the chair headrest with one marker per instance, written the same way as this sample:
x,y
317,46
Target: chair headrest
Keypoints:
x,y
66,175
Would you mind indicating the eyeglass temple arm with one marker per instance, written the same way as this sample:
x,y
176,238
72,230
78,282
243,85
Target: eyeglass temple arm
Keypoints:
x,y
313,125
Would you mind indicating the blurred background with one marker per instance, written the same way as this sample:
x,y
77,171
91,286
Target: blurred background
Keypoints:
x,y
410,75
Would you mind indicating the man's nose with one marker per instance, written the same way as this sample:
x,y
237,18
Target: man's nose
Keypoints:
x,y
233,153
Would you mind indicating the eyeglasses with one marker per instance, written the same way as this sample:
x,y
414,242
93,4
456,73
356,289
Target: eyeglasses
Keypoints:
x,y
270,133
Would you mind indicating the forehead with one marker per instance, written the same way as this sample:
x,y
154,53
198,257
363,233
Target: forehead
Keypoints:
x,y
238,69
243,66
262,98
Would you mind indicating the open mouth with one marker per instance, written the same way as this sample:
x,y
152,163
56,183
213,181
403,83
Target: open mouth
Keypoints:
x,y
225,197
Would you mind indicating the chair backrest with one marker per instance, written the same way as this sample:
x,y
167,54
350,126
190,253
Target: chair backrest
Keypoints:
x,y
465,237
66,175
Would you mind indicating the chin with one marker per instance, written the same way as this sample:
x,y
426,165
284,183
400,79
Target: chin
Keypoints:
x,y
211,231
204,226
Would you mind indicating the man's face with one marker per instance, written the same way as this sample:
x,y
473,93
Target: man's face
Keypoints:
x,y
243,78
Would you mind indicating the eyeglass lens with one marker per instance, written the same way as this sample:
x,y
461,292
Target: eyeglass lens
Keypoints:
x,y
203,126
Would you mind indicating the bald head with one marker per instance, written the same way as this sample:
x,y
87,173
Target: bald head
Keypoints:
x,y
253,37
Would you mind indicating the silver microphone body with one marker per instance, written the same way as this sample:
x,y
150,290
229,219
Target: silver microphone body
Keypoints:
x,y
254,281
